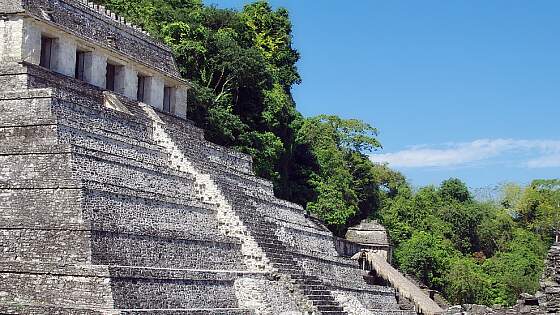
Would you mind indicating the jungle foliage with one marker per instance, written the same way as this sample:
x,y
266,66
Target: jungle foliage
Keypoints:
x,y
243,66
472,251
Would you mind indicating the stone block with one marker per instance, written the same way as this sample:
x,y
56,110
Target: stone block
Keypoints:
x,y
25,289
20,111
126,81
31,45
28,136
172,294
160,252
95,69
20,40
45,245
153,92
63,58
39,170
40,208
11,32
180,102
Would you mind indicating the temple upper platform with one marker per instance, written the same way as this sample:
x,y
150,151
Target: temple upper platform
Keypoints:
x,y
79,39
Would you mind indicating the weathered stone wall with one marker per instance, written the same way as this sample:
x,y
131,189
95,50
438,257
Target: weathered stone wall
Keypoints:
x,y
13,6
22,283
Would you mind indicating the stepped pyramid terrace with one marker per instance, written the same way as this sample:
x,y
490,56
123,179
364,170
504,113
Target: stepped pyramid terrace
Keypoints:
x,y
113,202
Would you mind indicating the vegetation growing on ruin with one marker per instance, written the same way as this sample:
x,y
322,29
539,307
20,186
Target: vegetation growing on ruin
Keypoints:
x,y
243,66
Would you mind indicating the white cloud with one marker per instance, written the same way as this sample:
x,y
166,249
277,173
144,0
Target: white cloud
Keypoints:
x,y
543,153
545,161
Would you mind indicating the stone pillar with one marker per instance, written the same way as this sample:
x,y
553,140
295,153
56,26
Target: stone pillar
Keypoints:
x,y
31,45
126,81
95,69
11,33
20,40
153,92
180,101
63,59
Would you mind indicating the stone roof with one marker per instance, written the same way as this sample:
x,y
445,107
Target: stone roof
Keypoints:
x,y
97,25
108,13
368,233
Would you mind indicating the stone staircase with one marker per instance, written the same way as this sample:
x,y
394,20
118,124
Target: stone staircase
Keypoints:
x,y
263,216
311,286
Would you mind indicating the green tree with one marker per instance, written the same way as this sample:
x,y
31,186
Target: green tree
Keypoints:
x,y
340,179
455,189
536,206
467,283
242,67
495,231
518,268
464,220
475,252
427,257
393,213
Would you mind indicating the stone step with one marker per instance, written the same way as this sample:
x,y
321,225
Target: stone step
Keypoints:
x,y
103,122
141,294
283,255
320,297
214,311
114,144
119,173
282,261
284,267
305,277
123,249
317,292
306,281
325,302
266,235
329,308
288,270
263,227
314,287
20,308
236,185
268,242
186,200
276,247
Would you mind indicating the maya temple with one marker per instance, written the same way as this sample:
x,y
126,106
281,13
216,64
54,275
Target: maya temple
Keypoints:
x,y
112,201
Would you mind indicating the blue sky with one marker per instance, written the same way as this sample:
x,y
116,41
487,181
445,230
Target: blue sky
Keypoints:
x,y
467,89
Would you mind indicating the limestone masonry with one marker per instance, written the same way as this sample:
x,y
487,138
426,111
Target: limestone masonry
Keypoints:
x,y
112,202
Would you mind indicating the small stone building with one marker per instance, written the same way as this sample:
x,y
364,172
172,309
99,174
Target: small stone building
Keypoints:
x,y
373,236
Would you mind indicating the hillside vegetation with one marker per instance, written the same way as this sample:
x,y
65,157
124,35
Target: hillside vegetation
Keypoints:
x,y
243,66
